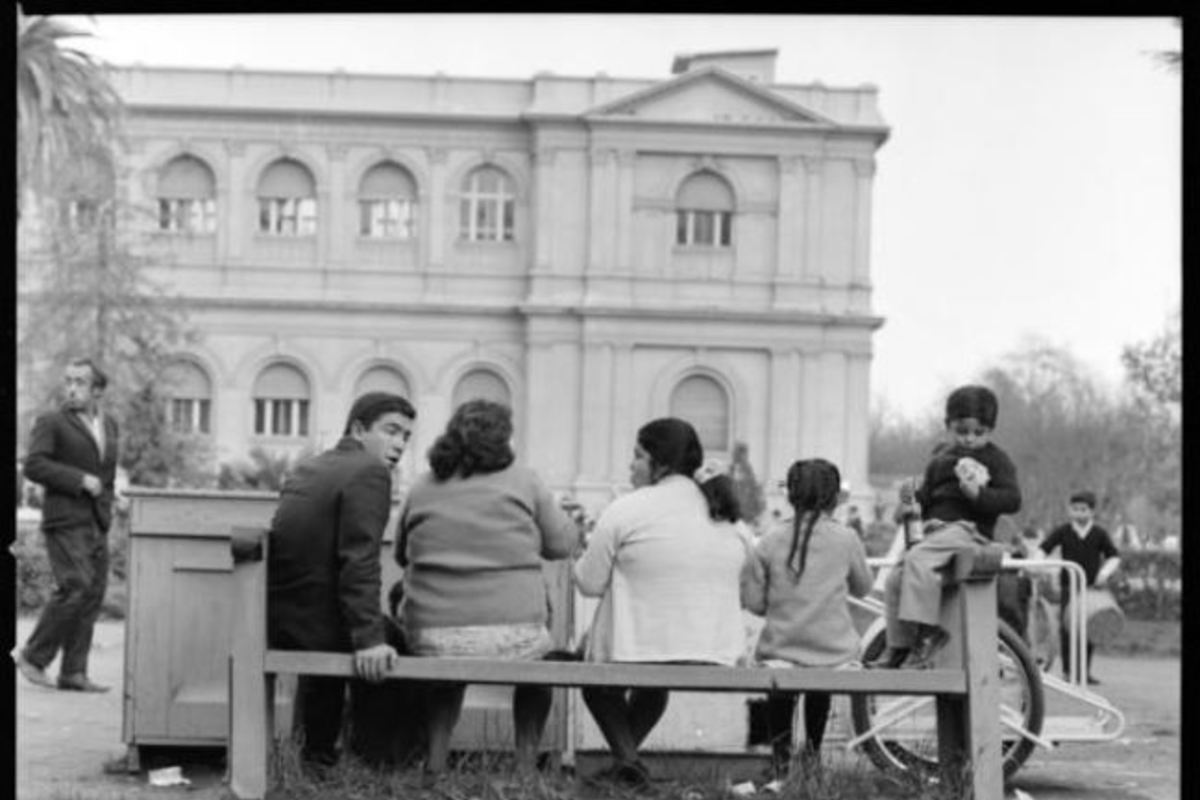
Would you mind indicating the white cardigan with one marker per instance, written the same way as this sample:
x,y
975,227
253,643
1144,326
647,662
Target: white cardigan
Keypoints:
x,y
667,577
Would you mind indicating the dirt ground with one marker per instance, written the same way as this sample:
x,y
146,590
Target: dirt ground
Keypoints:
x,y
64,739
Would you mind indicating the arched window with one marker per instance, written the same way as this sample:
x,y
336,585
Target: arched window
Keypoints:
x,y
281,402
704,211
85,188
488,206
287,200
703,402
382,379
387,203
187,195
481,384
189,398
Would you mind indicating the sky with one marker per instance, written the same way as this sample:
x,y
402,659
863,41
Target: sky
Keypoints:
x,y
1030,188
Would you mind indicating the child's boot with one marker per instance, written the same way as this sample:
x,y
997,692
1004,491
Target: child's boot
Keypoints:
x,y
890,658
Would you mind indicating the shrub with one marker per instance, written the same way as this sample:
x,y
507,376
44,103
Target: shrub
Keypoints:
x,y
35,580
1150,585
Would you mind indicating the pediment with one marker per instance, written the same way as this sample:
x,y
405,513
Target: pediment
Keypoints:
x,y
710,95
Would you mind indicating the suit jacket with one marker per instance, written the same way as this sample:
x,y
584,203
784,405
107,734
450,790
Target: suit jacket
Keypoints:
x,y
323,570
61,451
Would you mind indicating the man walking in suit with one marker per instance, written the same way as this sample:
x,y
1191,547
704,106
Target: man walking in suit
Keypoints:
x,y
73,455
323,570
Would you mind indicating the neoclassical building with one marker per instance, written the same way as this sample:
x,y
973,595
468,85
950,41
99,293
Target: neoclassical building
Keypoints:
x,y
596,251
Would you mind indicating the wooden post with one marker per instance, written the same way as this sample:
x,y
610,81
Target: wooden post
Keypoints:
x,y
969,727
251,699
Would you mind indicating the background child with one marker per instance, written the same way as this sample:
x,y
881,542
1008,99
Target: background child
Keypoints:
x,y
798,579
1087,544
968,484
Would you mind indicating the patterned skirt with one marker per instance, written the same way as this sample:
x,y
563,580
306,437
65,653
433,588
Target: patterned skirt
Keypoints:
x,y
520,641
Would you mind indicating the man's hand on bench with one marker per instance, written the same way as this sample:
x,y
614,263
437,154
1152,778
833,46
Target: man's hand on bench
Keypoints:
x,y
373,663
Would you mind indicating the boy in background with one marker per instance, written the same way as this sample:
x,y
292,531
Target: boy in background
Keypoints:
x,y
1089,546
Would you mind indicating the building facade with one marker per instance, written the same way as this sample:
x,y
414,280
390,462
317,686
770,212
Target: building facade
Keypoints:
x,y
596,251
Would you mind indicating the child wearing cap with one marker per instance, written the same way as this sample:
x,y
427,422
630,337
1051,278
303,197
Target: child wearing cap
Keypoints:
x,y
969,482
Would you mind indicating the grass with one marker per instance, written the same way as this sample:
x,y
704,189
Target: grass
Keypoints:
x,y
490,776
1147,637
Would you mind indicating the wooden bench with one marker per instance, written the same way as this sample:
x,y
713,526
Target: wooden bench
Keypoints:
x,y
967,694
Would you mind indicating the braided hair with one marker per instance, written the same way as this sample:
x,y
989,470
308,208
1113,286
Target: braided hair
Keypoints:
x,y
812,490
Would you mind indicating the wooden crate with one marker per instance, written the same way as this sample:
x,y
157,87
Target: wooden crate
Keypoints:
x,y
180,571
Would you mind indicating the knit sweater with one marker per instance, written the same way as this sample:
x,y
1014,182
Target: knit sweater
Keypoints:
x,y
667,577
473,549
808,620
942,498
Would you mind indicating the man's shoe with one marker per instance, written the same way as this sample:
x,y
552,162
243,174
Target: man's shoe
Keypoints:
x,y
79,683
891,658
1092,681
32,673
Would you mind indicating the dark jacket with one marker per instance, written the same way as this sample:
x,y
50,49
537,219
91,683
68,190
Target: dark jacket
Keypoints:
x,y
323,571
61,451
941,497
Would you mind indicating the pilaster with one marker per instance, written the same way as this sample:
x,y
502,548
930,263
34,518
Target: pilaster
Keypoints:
x,y
864,172
812,268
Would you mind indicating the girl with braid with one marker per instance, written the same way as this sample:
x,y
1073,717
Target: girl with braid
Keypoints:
x,y
798,580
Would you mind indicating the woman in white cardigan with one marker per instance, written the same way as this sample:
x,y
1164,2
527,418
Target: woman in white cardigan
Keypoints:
x,y
667,578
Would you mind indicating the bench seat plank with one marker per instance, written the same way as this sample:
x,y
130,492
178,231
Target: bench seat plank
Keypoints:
x,y
673,676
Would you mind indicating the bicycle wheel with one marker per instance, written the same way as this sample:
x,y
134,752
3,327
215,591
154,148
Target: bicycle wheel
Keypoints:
x,y
907,738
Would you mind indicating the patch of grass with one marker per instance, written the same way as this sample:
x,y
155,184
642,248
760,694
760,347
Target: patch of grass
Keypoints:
x,y
490,776
1147,637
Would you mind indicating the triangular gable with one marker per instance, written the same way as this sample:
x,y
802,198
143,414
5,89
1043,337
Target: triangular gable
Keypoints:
x,y
711,94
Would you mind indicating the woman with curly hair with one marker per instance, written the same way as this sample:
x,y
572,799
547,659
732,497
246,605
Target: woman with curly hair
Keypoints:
x,y
472,538
799,580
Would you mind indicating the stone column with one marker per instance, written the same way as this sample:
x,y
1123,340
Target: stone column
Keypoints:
x,y
864,171
626,159
813,268
621,413
600,216
789,220
811,380
832,414
239,214
544,206
855,463
552,398
334,249
787,413
596,412
439,232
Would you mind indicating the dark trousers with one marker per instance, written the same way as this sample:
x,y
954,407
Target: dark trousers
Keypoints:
x,y
320,701
1064,641
781,707
78,557
386,720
